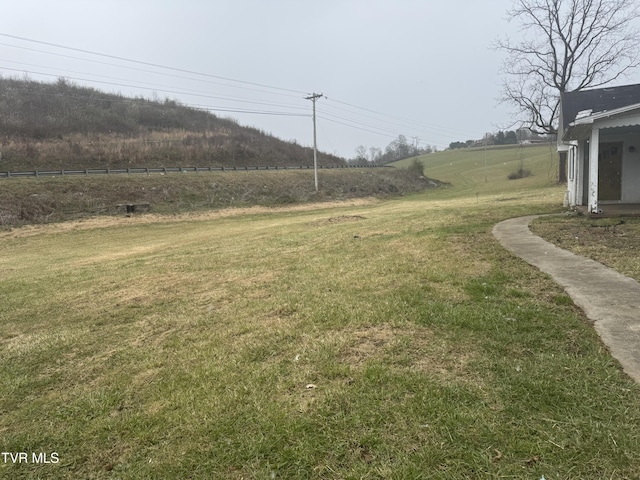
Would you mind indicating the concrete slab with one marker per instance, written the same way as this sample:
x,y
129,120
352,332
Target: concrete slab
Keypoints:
x,y
608,298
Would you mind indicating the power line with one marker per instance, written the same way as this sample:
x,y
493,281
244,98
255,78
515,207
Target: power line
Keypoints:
x,y
177,92
381,123
386,134
98,62
392,132
150,64
358,128
397,118
211,108
401,119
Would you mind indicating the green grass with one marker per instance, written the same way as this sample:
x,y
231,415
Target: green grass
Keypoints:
x,y
465,169
385,339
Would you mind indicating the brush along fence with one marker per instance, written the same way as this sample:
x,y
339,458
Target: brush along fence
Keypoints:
x,y
165,170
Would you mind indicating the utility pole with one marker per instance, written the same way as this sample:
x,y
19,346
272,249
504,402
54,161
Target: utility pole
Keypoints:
x,y
486,135
313,97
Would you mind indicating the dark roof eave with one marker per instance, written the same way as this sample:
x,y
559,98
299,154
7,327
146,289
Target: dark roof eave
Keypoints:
x,y
576,132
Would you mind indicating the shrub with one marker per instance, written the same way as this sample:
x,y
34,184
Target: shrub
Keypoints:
x,y
520,173
416,168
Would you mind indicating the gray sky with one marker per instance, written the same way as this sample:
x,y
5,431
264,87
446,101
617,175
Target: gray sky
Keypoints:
x,y
421,68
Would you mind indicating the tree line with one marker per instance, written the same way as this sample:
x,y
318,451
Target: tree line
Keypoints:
x,y
396,150
401,147
510,137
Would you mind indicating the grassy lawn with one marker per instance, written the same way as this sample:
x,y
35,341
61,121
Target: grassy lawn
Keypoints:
x,y
365,340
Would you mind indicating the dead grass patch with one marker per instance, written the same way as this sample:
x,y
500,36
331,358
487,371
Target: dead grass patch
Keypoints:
x,y
365,344
439,357
125,251
153,332
25,344
93,223
145,377
340,219
411,347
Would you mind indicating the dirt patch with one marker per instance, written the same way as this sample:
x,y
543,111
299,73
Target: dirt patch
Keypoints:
x,y
345,218
367,343
337,220
411,349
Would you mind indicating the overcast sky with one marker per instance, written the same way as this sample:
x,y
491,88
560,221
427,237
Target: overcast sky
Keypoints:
x,y
421,68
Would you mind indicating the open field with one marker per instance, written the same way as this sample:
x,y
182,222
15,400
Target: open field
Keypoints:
x,y
364,339
465,168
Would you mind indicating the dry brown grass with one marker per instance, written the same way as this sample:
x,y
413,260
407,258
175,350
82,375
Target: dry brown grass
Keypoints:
x,y
154,149
614,242
46,200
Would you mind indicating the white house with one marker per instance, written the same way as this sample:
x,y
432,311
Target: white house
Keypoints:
x,y
599,132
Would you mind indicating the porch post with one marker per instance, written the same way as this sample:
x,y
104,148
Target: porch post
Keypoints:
x,y
594,147
573,176
580,155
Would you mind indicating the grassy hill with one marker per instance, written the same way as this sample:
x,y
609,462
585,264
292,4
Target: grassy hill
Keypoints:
x,y
61,125
465,169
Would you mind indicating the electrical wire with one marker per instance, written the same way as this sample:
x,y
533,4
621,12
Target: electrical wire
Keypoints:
x,y
150,64
415,123
211,108
209,82
383,124
385,131
215,97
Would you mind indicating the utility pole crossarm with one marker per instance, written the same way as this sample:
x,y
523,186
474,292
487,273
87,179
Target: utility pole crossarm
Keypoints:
x,y
313,97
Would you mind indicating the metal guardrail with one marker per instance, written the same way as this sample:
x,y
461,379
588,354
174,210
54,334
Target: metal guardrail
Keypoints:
x,y
165,170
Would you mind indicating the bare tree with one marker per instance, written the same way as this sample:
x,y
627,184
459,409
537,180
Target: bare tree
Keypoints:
x,y
361,154
566,45
375,154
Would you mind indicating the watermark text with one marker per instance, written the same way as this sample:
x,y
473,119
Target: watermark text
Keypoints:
x,y
29,457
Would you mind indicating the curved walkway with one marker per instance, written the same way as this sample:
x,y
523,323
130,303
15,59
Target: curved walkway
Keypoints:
x,y
608,298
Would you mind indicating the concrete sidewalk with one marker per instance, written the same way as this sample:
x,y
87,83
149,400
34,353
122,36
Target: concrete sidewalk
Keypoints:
x,y
608,298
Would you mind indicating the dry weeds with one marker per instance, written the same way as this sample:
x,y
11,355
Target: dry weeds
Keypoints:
x,y
614,242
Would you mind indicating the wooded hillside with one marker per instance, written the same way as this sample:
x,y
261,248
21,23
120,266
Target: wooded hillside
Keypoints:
x,y
61,125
